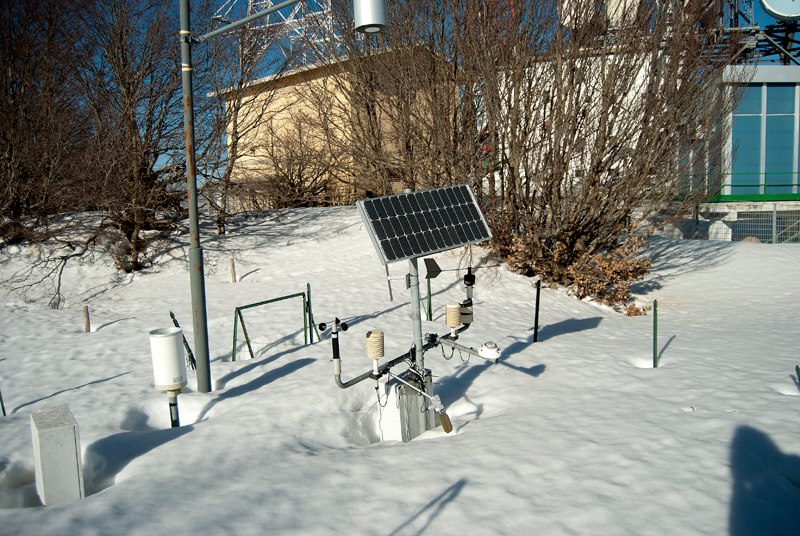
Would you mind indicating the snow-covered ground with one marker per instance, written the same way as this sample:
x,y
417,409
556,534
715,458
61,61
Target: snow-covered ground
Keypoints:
x,y
575,434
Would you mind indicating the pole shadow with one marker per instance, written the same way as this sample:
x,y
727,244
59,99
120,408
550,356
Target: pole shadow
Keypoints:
x,y
664,348
111,323
251,364
766,486
572,325
432,508
251,272
265,379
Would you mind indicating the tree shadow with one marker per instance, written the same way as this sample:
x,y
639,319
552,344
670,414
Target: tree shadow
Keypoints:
x,y
672,258
572,325
432,509
95,382
265,379
766,486
106,458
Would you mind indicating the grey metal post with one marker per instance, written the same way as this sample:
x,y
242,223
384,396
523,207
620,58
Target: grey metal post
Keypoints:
x,y
372,18
416,316
196,271
774,223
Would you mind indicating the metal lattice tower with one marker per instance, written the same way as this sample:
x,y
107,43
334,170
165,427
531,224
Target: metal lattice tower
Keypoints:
x,y
303,27
774,42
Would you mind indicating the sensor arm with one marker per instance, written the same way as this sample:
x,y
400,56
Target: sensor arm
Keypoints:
x,y
337,359
337,371
447,340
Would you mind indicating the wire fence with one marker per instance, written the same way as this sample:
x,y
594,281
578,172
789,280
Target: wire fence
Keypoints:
x,y
769,223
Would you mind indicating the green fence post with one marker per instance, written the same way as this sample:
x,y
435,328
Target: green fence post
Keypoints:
x,y
536,311
655,333
233,351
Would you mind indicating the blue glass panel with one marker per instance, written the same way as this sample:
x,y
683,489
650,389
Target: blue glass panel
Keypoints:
x,y
745,178
751,100
779,159
780,98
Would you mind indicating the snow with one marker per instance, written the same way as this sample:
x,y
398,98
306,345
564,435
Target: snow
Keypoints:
x,y
574,434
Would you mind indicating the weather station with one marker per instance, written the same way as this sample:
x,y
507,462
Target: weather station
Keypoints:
x,y
406,227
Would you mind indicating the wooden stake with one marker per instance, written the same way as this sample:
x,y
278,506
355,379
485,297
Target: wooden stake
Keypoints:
x,y
233,271
87,324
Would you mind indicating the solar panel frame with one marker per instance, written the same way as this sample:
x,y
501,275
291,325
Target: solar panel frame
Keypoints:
x,y
417,224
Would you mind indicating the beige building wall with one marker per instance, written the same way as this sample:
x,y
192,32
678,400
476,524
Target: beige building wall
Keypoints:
x,y
306,116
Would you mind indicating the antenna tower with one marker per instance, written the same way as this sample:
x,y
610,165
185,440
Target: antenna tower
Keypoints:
x,y
303,28
762,43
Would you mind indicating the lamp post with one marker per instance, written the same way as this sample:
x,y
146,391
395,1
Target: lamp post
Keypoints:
x,y
369,17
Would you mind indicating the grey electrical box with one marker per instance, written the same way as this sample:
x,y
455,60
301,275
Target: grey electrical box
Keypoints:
x,y
407,414
57,455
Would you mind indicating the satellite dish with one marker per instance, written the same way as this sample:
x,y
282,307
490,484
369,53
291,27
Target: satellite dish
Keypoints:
x,y
782,9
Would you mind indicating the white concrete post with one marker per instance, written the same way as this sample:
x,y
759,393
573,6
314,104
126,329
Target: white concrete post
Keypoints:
x,y
57,455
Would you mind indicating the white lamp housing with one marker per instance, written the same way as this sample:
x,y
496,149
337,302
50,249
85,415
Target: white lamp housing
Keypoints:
x,y
369,16
169,362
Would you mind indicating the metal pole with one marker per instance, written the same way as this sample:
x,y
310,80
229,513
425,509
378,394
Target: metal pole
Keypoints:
x,y
196,273
174,418
655,333
774,223
416,317
429,310
536,312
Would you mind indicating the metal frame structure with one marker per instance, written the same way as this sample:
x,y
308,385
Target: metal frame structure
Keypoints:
x,y
306,24
775,42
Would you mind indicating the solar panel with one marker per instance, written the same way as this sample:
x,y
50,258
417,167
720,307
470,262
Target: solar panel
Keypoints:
x,y
416,224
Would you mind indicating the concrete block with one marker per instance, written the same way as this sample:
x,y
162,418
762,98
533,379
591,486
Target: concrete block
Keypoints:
x,y
720,230
57,455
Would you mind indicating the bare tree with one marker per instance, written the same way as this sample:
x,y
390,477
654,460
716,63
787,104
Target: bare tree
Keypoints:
x,y
619,112
238,108
131,85
42,120
575,121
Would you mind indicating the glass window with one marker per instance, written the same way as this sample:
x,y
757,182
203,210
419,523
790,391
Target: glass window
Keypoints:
x,y
779,151
751,100
780,99
745,178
